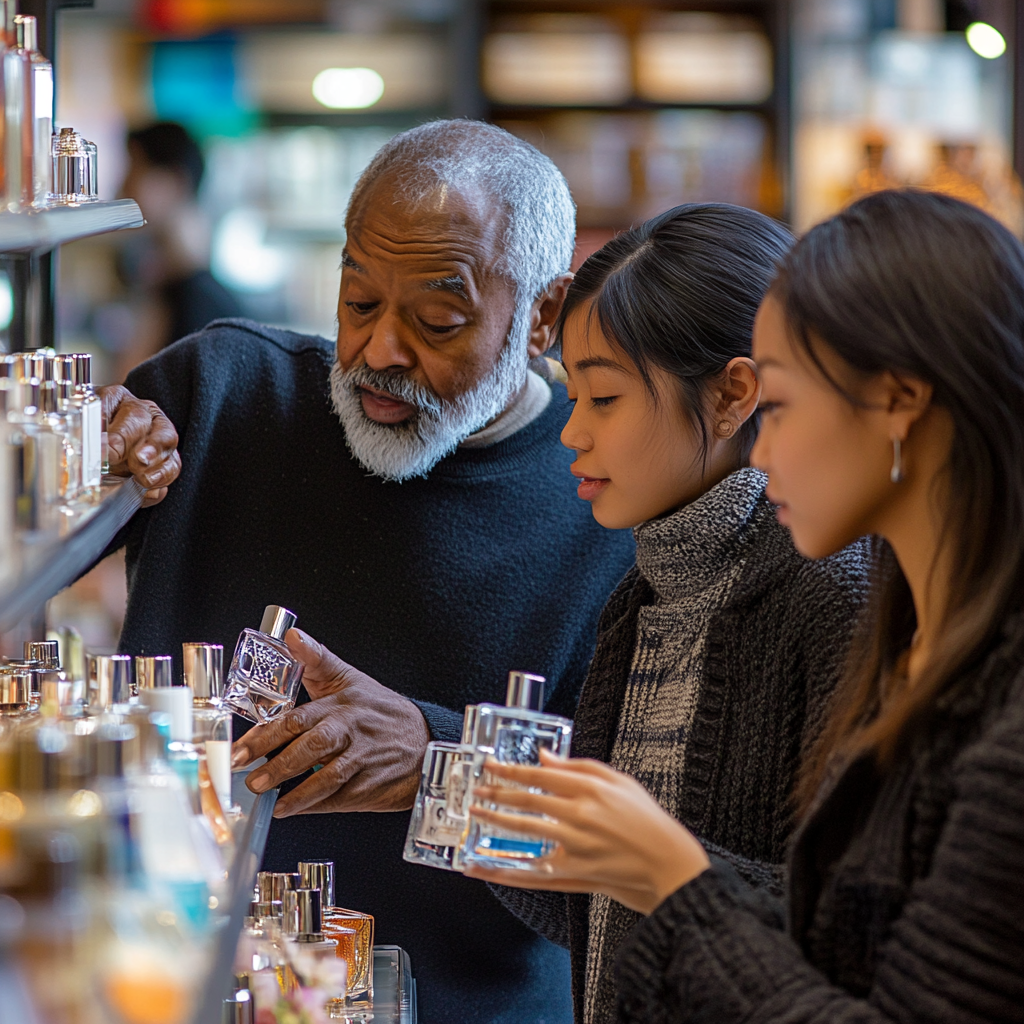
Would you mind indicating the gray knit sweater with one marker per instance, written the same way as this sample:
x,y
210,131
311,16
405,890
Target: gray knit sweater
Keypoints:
x,y
715,658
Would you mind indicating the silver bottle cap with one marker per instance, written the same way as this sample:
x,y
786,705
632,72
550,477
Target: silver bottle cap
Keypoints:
x,y
469,720
82,360
109,679
47,652
308,912
15,685
64,368
277,621
65,391
525,691
25,32
238,1009
274,884
48,397
29,400
153,673
203,669
43,364
319,874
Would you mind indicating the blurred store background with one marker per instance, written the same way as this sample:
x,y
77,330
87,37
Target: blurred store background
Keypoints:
x,y
793,107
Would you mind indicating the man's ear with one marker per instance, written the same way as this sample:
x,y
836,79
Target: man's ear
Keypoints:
x,y
546,308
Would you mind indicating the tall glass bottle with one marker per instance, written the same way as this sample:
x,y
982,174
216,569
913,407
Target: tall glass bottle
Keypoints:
x,y
93,426
8,555
19,116
42,108
211,718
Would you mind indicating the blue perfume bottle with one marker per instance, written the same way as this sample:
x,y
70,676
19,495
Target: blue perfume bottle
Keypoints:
x,y
514,734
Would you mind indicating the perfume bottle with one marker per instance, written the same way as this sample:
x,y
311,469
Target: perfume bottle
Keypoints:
x,y
15,692
108,683
211,720
55,688
72,413
8,554
264,677
19,117
89,404
514,734
40,114
434,835
354,932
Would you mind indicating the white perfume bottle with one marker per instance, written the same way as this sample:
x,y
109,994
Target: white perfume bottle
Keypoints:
x,y
264,677
93,428
515,734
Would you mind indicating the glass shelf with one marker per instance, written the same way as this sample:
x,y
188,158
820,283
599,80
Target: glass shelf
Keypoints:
x,y
52,565
46,228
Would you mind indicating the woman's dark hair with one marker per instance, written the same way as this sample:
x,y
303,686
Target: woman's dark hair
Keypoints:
x,y
680,292
169,145
929,288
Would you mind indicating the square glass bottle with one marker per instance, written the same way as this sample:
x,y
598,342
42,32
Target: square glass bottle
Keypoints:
x,y
434,835
514,734
264,677
341,924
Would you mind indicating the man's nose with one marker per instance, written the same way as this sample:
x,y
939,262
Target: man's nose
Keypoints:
x,y
388,345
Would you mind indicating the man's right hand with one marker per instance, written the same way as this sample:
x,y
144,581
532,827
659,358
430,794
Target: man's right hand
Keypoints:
x,y
141,440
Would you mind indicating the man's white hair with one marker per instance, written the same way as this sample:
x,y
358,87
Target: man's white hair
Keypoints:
x,y
464,156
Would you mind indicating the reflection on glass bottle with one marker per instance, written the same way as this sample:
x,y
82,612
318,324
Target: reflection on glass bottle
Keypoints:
x,y
202,670
264,677
434,834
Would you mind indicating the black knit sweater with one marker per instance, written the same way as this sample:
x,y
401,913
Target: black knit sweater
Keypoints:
x,y
772,655
906,890
436,587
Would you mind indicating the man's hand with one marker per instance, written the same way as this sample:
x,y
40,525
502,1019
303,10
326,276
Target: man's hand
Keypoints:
x,y
141,440
369,739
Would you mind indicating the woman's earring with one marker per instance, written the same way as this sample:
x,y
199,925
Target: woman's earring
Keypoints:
x,y
896,473
726,429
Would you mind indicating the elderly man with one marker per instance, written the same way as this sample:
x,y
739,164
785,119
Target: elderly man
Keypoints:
x,y
433,539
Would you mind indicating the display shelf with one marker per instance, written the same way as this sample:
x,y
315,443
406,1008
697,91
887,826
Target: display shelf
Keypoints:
x,y
251,839
44,229
51,566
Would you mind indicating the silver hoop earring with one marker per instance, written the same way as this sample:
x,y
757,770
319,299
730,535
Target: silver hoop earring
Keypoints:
x,y
725,429
896,473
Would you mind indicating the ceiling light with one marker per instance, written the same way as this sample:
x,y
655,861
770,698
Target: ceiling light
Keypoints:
x,y
985,40
348,88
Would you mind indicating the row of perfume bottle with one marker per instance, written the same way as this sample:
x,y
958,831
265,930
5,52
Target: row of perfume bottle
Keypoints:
x,y
39,167
442,832
38,687
114,846
295,937
52,448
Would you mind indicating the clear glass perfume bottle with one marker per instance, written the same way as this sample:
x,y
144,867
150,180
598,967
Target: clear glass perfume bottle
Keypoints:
x,y
264,678
354,932
514,734
211,719
434,834
93,428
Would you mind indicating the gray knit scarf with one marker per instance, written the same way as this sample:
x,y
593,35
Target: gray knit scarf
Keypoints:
x,y
692,559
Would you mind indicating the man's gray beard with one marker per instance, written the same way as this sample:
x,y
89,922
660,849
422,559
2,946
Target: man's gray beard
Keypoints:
x,y
412,448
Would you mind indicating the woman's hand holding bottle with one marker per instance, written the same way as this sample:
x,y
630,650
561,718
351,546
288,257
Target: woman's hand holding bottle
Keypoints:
x,y
613,837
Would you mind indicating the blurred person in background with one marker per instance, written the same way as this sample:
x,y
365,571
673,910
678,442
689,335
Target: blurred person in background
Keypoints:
x,y
170,258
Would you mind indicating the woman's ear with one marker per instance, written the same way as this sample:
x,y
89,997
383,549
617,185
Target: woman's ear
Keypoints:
x,y
738,392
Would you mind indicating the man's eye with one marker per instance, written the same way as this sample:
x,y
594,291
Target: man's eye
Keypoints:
x,y
362,308
440,328
602,402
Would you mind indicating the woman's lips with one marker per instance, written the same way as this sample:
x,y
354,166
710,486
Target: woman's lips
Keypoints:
x,y
381,407
590,487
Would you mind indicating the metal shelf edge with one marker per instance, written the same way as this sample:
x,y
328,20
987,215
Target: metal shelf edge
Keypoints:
x,y
43,229
242,877
67,558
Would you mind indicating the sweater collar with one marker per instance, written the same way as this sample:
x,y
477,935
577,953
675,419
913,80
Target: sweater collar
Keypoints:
x,y
695,544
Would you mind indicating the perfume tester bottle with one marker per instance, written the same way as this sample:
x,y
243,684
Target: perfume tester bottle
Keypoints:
x,y
514,734
264,676
94,454
19,118
434,835
211,718
353,931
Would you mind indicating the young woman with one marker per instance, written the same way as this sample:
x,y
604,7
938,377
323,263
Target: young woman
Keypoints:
x,y
718,650
892,353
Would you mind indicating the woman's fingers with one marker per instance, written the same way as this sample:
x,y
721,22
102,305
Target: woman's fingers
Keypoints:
x,y
524,800
522,824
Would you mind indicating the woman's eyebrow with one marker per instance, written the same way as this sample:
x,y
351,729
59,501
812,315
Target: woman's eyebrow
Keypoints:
x,y
593,361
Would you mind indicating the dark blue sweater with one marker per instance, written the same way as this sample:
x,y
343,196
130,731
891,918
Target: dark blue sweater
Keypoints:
x,y
436,587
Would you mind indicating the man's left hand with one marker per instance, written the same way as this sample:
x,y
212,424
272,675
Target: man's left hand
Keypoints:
x,y
369,740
